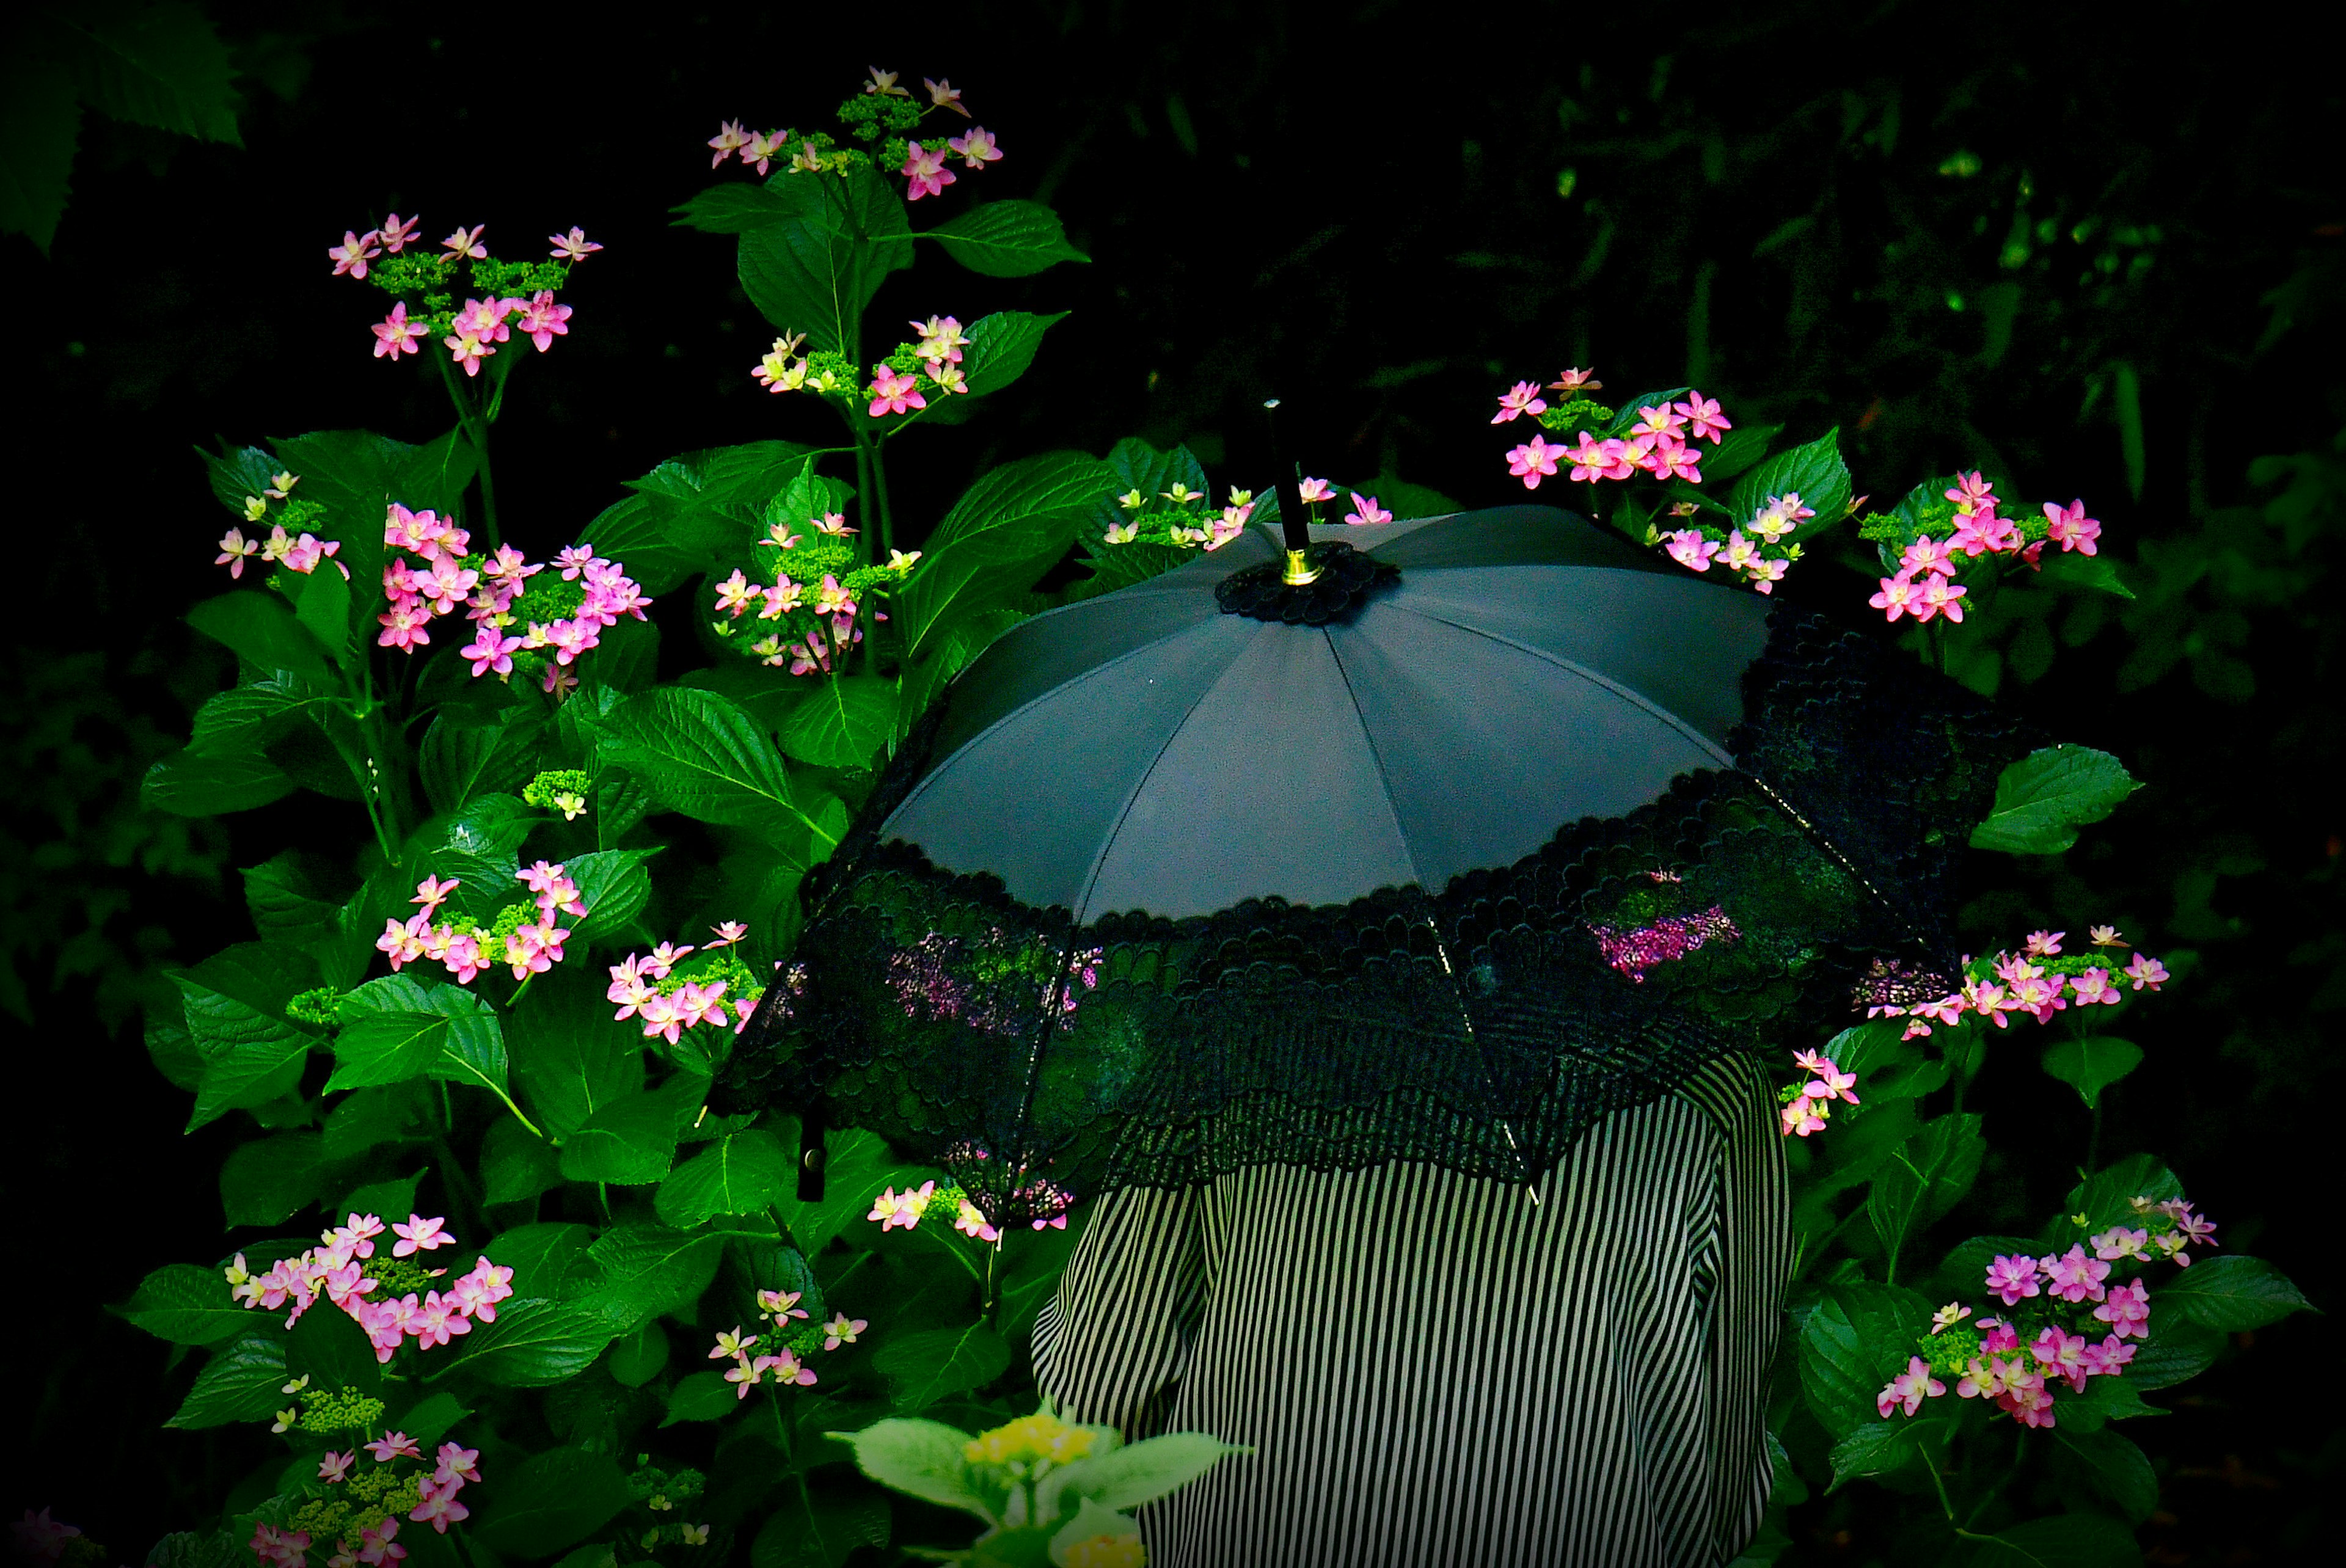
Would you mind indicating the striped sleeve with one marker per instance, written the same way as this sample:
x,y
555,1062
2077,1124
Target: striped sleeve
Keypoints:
x,y
1112,1343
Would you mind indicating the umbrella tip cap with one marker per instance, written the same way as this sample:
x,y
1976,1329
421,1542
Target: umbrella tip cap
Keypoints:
x,y
1298,570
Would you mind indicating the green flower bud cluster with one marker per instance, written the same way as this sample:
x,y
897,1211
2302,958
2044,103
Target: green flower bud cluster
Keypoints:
x,y
342,1410
397,1276
504,279
661,1491
562,789
867,115
741,980
324,1519
315,1005
1951,1350
378,1493
1580,413
509,920
430,279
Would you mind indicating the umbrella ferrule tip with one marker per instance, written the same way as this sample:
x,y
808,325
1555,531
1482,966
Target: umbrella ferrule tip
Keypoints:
x,y
1300,569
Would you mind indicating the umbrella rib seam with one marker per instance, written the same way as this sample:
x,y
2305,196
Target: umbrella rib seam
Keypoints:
x,y
1574,667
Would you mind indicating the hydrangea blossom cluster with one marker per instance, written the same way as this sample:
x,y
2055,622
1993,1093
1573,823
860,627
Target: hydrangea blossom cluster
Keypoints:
x,y
289,544
2064,1319
2040,981
905,1211
526,935
1186,519
390,1298
366,1504
649,988
807,602
501,298
1929,543
878,116
427,574
788,1344
1808,1107
928,365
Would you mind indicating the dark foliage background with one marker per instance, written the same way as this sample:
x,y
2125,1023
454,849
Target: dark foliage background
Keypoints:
x,y
2101,255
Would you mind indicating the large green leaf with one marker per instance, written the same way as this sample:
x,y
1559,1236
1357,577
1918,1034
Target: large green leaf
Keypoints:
x,y
466,754
703,1396
842,721
741,1173
1880,1447
552,1500
263,631
516,1165
702,755
613,888
1001,348
1855,1340
2177,1351
234,1004
269,1180
937,1363
735,208
1815,472
820,1529
285,903
40,123
1137,466
815,268
1137,1472
243,1381
921,1458
533,1344
747,476
2041,799
1004,532
2233,1293
399,1027
572,1058
857,1164
629,1141
650,1270
476,847
1925,1178
187,1306
188,785
2092,1064
548,1259
2112,1468
160,65
1007,238
329,1348
2063,1540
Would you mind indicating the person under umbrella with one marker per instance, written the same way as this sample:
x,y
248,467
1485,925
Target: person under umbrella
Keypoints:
x,y
1385,941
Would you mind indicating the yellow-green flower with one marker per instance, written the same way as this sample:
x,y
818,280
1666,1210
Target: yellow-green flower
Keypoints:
x,y
1036,1437
1108,1552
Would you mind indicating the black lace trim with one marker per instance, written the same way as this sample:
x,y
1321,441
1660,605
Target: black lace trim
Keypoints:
x,y
1485,1026
1347,579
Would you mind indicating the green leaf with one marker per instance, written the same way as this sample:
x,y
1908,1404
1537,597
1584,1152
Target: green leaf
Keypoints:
x,y
613,887
2106,1400
2177,1351
2098,573
939,1362
534,1343
1815,472
570,1056
1854,1340
268,1181
734,209
476,847
741,1173
2106,1197
1879,1448
40,123
187,1306
650,1270
1001,346
398,1028
2233,1294
629,1141
329,1348
284,903
819,1529
1927,1176
552,1500
431,1419
465,756
1741,447
920,1459
749,474
188,785
842,722
1137,466
949,655
243,1381
701,1397
1006,239
815,269
161,66
1139,1472
2064,1541
321,603
1003,532
548,1259
637,1359
516,1165
234,1004
2112,1468
393,1197
2041,799
702,755
262,630
2092,1064
859,1165
244,719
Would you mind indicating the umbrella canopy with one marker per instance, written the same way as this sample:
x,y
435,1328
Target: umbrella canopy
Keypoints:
x,y
1505,826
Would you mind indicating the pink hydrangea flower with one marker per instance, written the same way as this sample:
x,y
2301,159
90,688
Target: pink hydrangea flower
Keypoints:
x,y
1365,509
1522,399
1673,460
2012,1279
333,1467
1530,462
729,139
465,243
396,335
1984,1377
542,320
234,548
977,148
1909,1389
354,252
456,1462
2063,1355
1803,1116
2069,527
1899,596
439,1318
438,1507
491,652
574,246
894,392
420,1235
2108,1358
376,1547
1691,550
1311,489
896,1211
393,1445
788,1368
397,233
1703,419
925,167
2146,971
841,1331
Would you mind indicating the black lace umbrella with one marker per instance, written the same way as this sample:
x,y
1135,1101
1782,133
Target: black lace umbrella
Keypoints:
x,y
1496,826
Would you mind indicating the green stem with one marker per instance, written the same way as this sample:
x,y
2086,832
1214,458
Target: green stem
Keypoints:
x,y
1946,1505
880,491
477,434
2094,1138
945,1239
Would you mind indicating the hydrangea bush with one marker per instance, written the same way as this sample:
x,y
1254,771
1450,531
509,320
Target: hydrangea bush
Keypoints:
x,y
573,840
